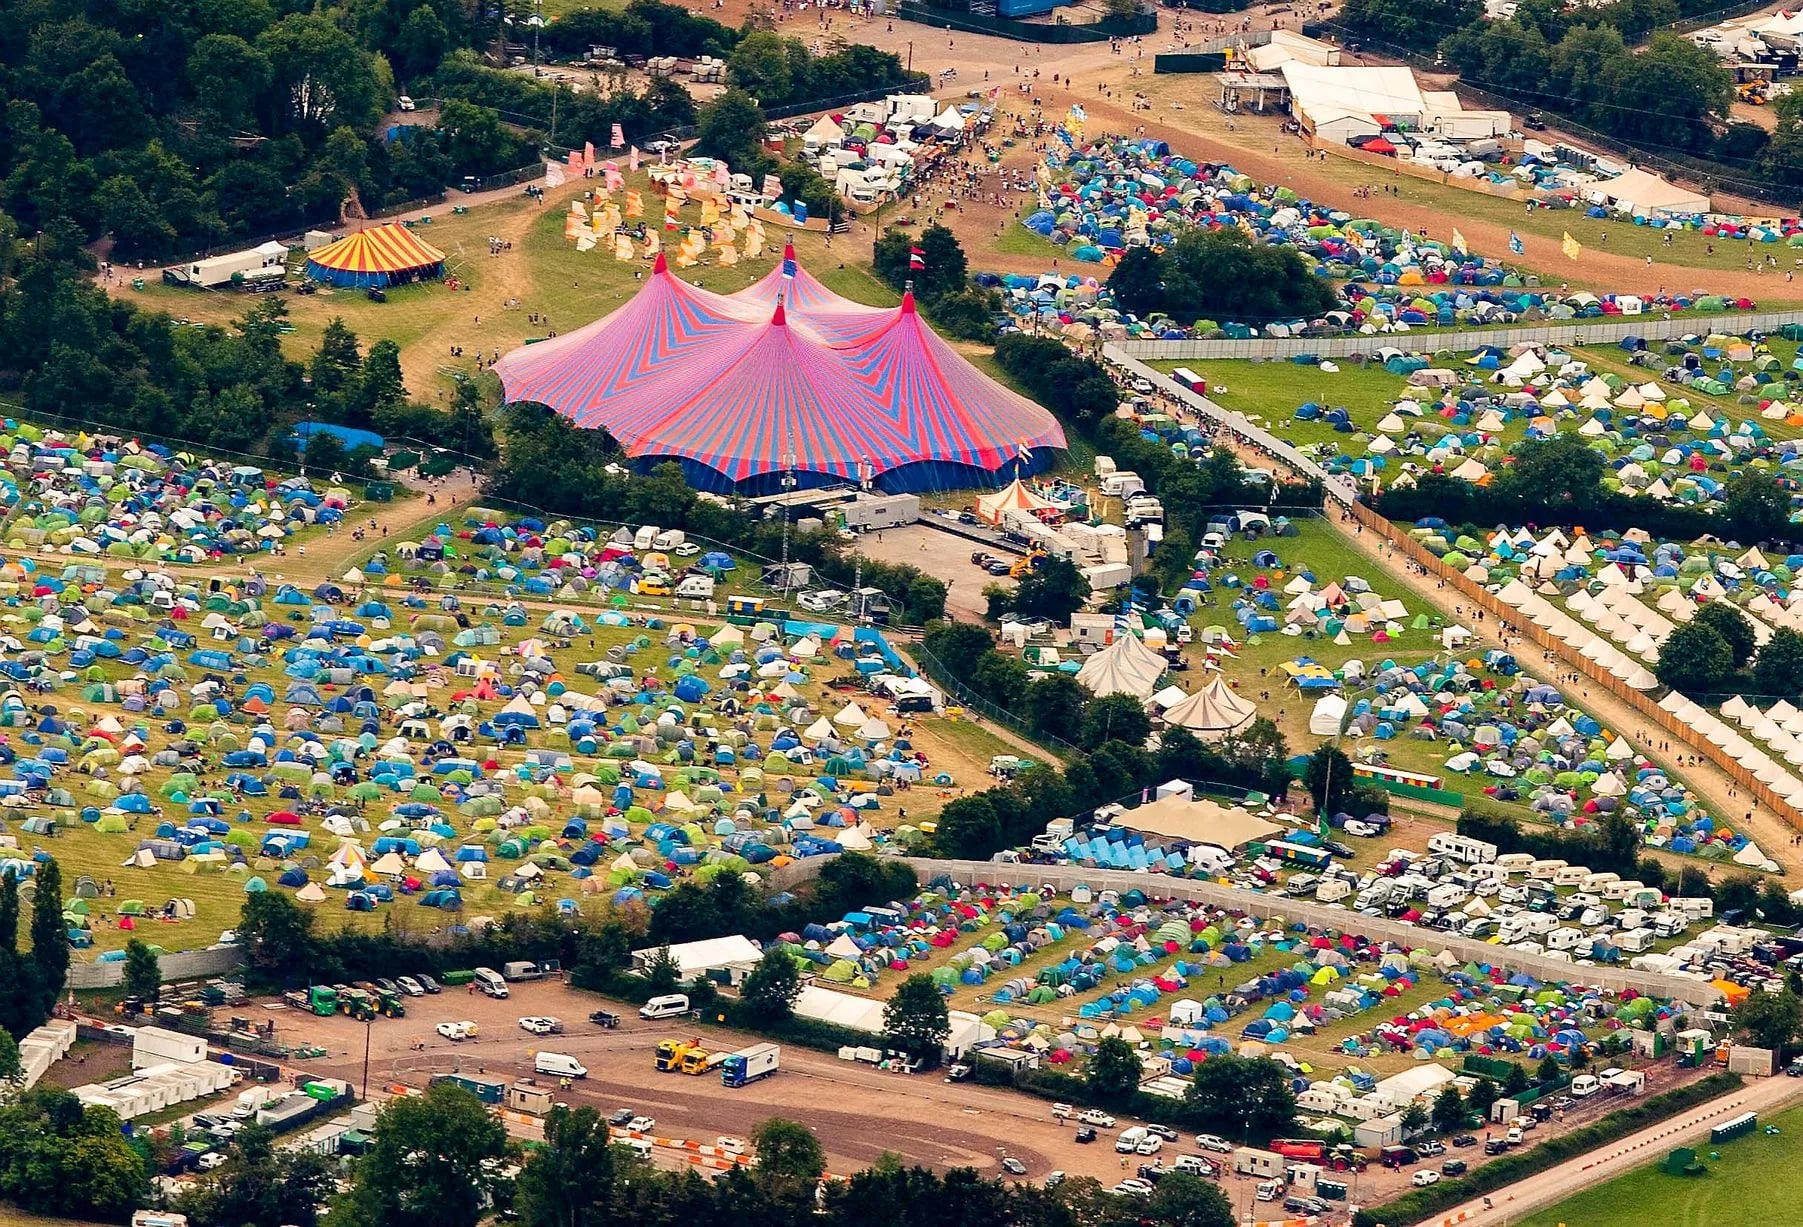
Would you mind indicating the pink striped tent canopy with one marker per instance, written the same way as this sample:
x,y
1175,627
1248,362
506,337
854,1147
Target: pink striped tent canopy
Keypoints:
x,y
731,385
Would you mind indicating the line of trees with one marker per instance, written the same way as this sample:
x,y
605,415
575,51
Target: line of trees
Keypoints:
x,y
31,981
1559,480
1715,654
1219,275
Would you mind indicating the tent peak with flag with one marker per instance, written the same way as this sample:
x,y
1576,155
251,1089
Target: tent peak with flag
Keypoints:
x,y
731,386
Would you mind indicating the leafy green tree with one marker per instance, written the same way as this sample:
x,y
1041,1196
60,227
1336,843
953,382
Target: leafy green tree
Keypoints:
x,y
1579,60
1734,628
1054,590
1415,1119
1778,669
430,1162
475,140
1483,1093
1329,779
262,1187
1116,717
1222,274
732,129
568,1181
1241,1097
1770,1020
20,997
11,1068
1182,1200
1561,473
770,990
1137,282
1517,1080
229,76
1549,1072
916,1020
1054,707
1695,659
1500,55
968,828
1757,508
759,65
662,973
278,937
319,73
1672,92
1417,26
1113,1072
1449,1110
49,937
790,1157
143,974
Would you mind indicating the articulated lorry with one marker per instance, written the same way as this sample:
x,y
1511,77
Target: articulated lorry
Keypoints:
x,y
670,1055
321,999
749,1064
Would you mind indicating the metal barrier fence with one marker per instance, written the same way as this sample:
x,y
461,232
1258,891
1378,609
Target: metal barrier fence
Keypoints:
x,y
176,965
1578,332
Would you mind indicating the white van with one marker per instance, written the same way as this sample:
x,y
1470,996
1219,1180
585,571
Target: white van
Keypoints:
x,y
489,981
665,1007
559,1065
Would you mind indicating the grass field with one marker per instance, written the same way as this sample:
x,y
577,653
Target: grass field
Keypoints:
x,y
1757,1182
543,274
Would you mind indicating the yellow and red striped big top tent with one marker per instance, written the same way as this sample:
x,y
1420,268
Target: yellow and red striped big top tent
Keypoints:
x,y
380,256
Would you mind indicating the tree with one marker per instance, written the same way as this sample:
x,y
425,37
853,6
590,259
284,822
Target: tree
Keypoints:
x,y
1415,1118
475,140
1770,1020
731,128
1449,1110
1695,659
969,828
1734,628
322,76
1483,1093
1137,282
770,990
1242,1097
429,1163
790,1157
1116,717
1416,25
568,1181
759,65
1778,669
662,973
915,1020
1182,1200
1222,274
1054,707
1112,1074
262,1187
278,936
1561,474
1329,779
1757,508
228,75
1549,1072
143,975
20,998
49,937
11,1068
1668,93
1517,1080
1054,590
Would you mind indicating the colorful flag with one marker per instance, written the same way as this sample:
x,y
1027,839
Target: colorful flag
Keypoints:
x,y
1022,452
917,259
1458,241
789,265
632,159
773,187
619,137
1571,247
1515,244
588,153
554,174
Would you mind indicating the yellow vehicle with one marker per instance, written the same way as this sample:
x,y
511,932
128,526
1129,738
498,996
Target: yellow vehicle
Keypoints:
x,y
653,587
698,1061
670,1054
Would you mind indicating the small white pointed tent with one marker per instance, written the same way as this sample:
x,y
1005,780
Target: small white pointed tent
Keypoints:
x,y
1125,666
1212,712
1324,720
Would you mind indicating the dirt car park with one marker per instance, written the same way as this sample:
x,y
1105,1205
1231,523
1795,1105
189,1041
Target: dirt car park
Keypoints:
x,y
858,1111
938,553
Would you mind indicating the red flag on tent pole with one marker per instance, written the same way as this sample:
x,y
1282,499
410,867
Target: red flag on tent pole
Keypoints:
x,y
917,259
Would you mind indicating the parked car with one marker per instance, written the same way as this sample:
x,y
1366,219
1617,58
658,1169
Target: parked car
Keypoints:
x,y
731,1145
1304,1205
1162,1131
641,1124
1430,1149
410,986
1096,1117
605,1018
538,1024
1463,1140
210,1160
1133,1187
1013,1166
1425,1177
456,1031
1085,1136
1495,1146
620,1117
1220,1146
428,983
1453,1167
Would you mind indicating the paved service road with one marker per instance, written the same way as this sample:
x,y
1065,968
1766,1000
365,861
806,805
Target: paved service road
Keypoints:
x,y
1650,1145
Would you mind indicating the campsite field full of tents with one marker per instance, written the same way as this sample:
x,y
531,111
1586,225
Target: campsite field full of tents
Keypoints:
x,y
371,751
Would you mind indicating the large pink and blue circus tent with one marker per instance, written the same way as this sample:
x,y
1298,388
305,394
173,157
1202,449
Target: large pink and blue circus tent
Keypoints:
x,y
739,388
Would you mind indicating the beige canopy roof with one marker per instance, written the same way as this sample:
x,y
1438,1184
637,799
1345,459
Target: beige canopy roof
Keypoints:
x,y
1212,712
1125,666
1203,821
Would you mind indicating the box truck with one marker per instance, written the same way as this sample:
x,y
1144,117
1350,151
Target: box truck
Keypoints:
x,y
749,1064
